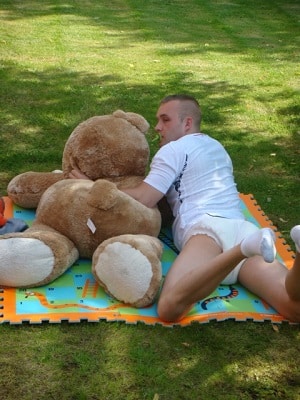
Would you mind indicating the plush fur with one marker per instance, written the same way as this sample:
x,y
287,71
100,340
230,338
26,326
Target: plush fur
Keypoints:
x,y
90,218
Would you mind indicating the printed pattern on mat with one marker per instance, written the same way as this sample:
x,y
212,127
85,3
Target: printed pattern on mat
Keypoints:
x,y
76,296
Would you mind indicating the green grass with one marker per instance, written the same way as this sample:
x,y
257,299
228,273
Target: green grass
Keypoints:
x,y
116,361
64,61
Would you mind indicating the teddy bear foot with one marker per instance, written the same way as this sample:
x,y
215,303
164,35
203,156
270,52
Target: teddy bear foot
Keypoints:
x,y
28,259
129,268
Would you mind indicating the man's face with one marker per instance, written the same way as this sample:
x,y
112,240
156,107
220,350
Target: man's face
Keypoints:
x,y
169,126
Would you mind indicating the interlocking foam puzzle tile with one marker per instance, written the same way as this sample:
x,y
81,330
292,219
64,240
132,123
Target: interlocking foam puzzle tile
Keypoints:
x,y
76,296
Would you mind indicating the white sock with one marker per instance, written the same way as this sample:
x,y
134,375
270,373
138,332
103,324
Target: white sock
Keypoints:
x,y
260,243
295,235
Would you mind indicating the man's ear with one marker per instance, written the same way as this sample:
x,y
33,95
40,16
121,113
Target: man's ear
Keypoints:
x,y
188,124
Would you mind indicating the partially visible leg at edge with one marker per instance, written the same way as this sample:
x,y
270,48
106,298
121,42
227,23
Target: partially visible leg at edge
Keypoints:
x,y
292,282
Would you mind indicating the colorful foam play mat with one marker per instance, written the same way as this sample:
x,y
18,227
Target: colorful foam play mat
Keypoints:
x,y
76,297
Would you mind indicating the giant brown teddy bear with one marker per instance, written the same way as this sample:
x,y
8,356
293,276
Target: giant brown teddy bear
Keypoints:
x,y
90,218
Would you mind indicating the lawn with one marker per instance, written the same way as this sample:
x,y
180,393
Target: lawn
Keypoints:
x,y
62,62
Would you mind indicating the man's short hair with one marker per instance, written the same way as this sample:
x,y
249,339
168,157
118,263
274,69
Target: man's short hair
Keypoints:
x,y
189,106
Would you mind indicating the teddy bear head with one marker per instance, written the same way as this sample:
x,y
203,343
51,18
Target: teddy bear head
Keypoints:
x,y
112,147
108,146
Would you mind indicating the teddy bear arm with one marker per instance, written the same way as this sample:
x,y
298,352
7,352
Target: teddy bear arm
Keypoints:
x,y
105,195
26,189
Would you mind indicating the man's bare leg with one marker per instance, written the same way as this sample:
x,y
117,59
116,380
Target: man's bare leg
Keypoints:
x,y
201,267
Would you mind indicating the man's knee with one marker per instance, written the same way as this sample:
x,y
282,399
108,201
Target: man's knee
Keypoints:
x,y
166,310
163,310
170,311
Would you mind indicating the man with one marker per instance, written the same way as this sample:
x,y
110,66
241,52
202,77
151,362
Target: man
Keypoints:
x,y
216,244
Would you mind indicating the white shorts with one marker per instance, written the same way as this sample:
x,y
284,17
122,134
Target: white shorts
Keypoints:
x,y
226,232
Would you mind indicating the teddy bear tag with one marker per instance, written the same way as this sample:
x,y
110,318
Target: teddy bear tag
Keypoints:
x,y
91,225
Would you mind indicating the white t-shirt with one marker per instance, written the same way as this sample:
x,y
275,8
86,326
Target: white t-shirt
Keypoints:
x,y
196,175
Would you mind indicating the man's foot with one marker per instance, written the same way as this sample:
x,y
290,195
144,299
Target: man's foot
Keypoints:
x,y
260,243
295,235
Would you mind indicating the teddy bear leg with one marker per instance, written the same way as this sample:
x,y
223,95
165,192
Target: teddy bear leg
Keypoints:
x,y
34,258
129,268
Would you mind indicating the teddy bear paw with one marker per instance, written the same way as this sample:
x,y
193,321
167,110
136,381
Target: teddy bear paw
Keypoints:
x,y
126,272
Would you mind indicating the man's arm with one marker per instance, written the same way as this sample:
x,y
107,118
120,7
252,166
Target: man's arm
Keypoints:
x,y
145,194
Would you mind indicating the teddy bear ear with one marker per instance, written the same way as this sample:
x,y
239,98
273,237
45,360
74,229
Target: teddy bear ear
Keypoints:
x,y
136,120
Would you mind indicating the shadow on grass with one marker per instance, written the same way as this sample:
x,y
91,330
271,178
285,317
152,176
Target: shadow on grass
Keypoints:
x,y
40,108
59,99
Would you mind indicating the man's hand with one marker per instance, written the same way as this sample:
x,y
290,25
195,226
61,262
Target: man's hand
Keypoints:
x,y
77,174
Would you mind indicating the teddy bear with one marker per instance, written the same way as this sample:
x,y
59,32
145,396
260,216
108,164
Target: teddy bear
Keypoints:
x,y
79,218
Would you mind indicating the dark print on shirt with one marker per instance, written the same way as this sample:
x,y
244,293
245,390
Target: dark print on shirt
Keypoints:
x,y
177,182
